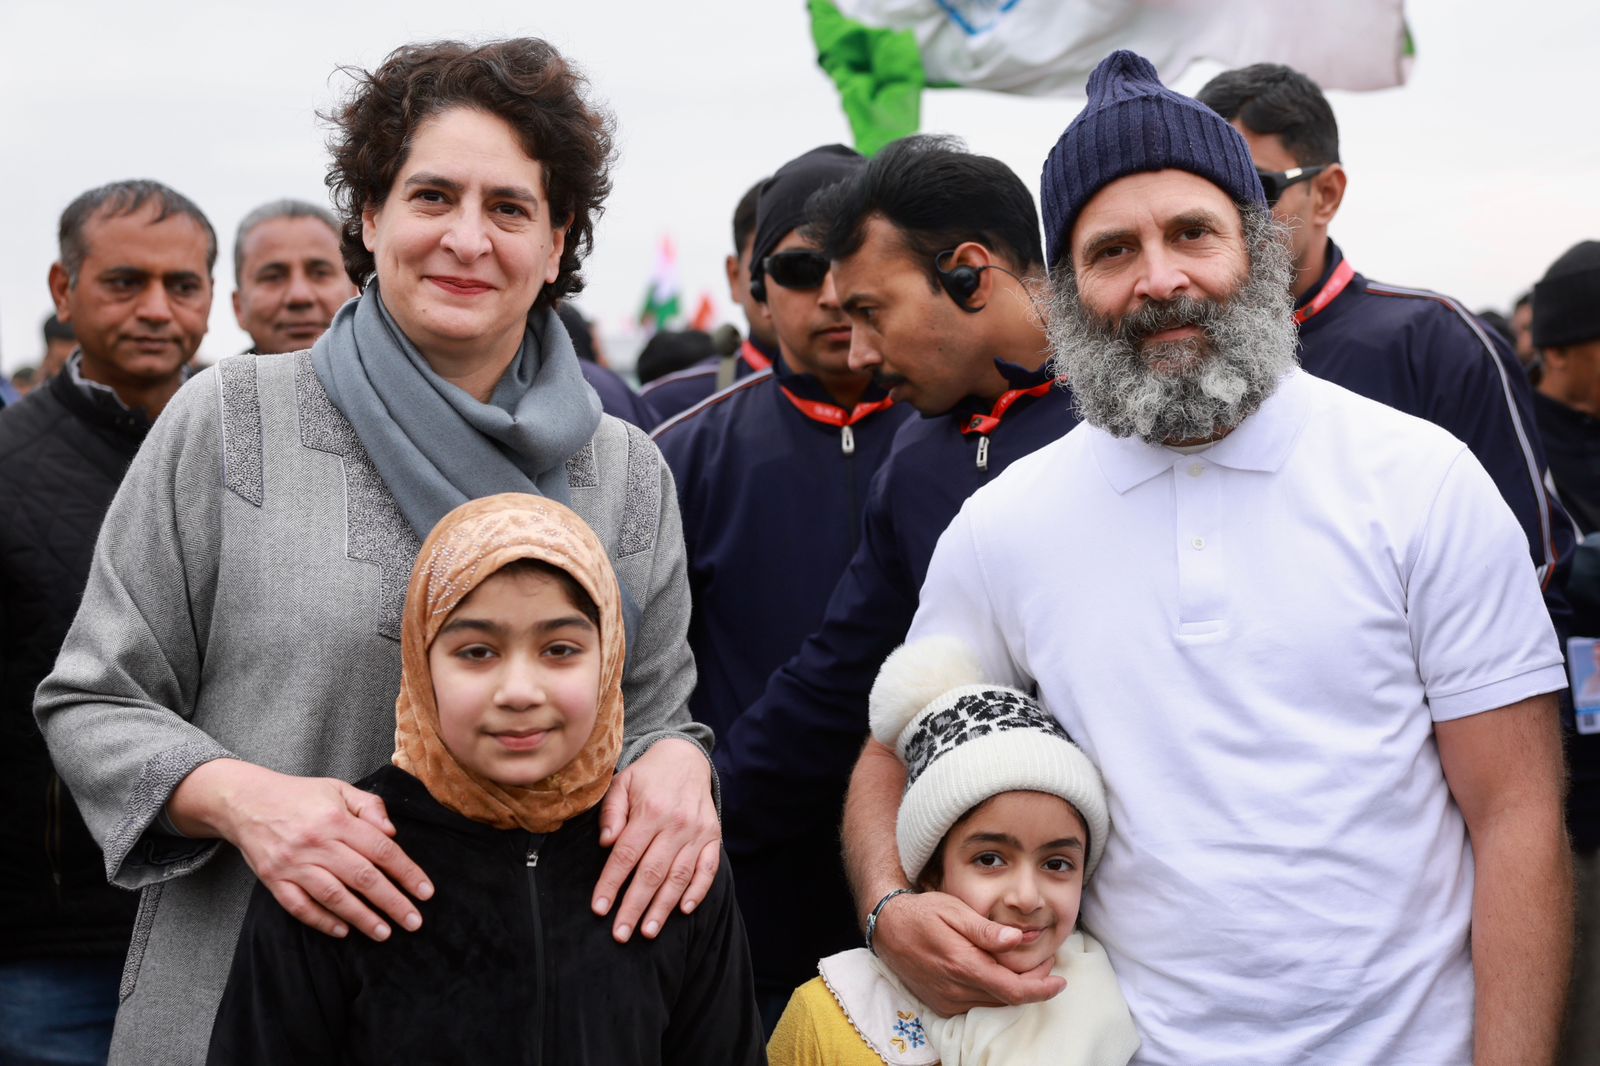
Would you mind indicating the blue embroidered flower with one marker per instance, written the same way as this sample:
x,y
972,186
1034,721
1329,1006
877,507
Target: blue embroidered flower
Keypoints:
x,y
910,1029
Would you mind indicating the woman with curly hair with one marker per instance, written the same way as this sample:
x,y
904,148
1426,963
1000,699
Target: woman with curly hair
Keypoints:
x,y
236,658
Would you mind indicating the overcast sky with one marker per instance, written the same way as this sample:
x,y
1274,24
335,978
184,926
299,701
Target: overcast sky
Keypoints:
x,y
1471,179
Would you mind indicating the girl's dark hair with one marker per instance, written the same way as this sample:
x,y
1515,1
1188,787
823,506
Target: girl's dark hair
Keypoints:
x,y
577,595
932,879
524,81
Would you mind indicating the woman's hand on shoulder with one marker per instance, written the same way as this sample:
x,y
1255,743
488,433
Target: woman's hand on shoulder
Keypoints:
x,y
661,824
942,949
324,848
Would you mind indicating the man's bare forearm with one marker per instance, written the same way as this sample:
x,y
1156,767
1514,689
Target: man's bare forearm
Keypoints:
x,y
1506,773
1522,930
871,858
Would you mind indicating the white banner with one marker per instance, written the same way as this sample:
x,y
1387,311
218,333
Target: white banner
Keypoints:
x,y
1048,47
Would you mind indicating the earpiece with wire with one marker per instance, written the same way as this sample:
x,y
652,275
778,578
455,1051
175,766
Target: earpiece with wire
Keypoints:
x,y
962,282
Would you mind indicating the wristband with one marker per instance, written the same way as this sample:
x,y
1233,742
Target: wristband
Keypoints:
x,y
872,919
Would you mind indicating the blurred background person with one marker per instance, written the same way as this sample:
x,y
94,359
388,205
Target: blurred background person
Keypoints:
x,y
1565,333
669,351
617,397
60,341
289,275
1522,331
678,390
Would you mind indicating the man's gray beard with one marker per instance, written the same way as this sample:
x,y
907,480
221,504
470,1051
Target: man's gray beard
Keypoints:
x,y
1246,346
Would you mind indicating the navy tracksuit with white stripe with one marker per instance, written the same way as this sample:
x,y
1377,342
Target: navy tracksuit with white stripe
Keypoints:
x,y
772,513
784,764
1426,355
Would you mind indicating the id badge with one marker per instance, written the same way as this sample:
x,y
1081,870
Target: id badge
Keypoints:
x,y
1583,669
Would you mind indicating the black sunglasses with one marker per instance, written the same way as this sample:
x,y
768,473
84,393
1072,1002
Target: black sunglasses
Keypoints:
x,y
1277,182
799,269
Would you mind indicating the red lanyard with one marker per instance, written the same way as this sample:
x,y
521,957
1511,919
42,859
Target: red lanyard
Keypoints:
x,y
752,356
833,415
987,424
1330,292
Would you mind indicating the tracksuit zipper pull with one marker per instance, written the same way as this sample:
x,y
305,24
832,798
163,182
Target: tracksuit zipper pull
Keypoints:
x,y
983,453
533,856
847,440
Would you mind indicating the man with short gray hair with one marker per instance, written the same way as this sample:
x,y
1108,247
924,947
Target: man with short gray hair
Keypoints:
x,y
289,275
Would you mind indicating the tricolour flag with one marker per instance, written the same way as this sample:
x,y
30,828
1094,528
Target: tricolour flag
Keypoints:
x,y
881,53
661,299
705,314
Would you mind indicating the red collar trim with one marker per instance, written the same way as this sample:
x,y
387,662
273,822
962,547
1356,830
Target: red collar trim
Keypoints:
x,y
1330,292
753,357
834,415
987,424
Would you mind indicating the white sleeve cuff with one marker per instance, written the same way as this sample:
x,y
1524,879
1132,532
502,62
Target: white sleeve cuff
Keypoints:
x,y
1498,694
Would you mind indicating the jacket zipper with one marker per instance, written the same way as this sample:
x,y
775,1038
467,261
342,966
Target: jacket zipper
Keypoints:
x,y
532,865
854,510
52,831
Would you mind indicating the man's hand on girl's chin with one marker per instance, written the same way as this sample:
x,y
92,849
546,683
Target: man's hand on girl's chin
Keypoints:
x,y
943,951
661,824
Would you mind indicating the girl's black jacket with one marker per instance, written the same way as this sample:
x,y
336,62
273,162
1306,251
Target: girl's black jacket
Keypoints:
x,y
510,965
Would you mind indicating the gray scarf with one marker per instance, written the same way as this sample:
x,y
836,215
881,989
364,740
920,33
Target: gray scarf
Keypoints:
x,y
435,446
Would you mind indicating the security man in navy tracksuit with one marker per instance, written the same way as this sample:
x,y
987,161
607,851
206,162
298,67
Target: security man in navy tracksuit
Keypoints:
x,y
772,477
672,394
1414,350
933,253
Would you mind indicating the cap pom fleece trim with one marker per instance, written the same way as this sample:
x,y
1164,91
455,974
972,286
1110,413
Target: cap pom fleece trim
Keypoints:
x,y
913,676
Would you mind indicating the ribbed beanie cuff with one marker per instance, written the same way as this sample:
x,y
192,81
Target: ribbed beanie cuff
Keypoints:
x,y
1019,760
1133,124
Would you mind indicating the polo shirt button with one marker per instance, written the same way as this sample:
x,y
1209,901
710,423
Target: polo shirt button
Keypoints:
x,y
1198,543
1197,469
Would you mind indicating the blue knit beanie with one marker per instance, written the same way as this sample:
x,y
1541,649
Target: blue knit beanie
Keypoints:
x,y
1133,124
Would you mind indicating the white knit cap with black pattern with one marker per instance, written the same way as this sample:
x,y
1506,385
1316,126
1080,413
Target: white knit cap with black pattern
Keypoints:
x,y
964,741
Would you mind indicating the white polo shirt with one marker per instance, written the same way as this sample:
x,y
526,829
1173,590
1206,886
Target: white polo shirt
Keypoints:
x,y
1253,643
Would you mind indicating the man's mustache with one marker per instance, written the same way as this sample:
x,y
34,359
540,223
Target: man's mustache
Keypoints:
x,y
1157,315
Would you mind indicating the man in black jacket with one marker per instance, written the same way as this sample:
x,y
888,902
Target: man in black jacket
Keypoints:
x,y
134,281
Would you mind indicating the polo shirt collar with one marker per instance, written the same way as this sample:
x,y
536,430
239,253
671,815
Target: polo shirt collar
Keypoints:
x,y
1261,443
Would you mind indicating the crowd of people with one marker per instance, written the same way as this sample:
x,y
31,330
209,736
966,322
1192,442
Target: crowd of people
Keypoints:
x,y
1126,636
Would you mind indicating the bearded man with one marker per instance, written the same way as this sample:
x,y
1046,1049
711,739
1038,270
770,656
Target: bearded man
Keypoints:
x,y
1298,631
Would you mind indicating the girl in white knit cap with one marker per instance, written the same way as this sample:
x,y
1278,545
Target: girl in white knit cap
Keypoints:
x,y
1002,811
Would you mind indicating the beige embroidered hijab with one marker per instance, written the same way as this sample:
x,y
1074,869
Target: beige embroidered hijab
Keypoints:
x,y
465,549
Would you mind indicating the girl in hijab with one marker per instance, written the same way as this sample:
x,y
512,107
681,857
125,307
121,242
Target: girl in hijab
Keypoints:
x,y
508,727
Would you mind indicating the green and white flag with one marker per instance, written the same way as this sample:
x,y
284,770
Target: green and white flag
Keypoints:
x,y
882,53
662,298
